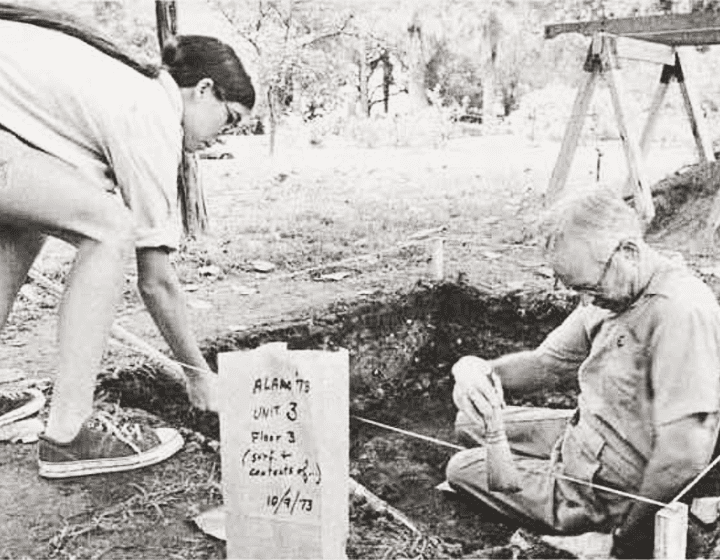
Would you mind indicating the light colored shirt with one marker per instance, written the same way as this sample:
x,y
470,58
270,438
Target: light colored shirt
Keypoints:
x,y
120,129
654,363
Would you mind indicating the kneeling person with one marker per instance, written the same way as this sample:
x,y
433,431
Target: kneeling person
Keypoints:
x,y
645,346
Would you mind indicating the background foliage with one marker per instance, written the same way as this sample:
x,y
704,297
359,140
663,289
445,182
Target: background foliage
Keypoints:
x,y
415,65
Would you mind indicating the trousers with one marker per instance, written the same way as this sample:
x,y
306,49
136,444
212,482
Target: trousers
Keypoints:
x,y
546,443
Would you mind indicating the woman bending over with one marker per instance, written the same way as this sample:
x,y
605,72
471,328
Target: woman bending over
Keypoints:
x,y
90,147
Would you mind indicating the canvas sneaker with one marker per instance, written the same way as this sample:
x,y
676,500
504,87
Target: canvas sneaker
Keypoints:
x,y
106,447
18,404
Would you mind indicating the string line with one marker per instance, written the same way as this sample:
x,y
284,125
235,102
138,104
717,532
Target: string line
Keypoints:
x,y
181,364
697,479
554,475
456,447
411,434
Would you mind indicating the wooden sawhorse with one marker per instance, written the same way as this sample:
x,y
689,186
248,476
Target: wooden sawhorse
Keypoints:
x,y
602,62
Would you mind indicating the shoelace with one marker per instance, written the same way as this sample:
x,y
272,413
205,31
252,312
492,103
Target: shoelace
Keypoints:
x,y
124,433
12,399
13,394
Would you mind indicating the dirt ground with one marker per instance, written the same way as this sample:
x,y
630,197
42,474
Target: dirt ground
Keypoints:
x,y
304,209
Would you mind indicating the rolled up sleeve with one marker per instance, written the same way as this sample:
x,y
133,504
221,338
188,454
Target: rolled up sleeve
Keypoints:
x,y
566,347
685,354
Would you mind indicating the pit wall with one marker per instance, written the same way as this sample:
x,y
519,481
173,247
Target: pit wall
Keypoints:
x,y
401,346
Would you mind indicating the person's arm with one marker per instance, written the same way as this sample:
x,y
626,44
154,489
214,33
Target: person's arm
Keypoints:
x,y
165,300
553,362
480,397
528,371
479,384
556,360
682,449
684,363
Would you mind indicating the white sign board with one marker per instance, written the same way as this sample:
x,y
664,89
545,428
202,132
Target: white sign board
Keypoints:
x,y
284,433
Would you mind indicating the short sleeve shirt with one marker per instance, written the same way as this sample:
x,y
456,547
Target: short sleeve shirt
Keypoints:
x,y
652,364
121,130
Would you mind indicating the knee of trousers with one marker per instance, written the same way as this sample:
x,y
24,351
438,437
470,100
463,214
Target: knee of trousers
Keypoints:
x,y
466,467
468,432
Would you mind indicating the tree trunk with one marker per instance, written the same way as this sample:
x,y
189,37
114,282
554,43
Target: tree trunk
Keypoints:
x,y
166,18
350,96
416,66
297,96
190,187
492,29
363,77
272,117
387,80
489,81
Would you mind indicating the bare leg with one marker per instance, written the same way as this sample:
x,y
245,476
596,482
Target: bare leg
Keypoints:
x,y
86,315
46,195
18,250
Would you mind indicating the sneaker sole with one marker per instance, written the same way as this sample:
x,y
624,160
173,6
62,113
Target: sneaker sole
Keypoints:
x,y
28,409
170,443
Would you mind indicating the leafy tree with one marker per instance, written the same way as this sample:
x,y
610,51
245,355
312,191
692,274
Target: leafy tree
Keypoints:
x,y
489,52
294,42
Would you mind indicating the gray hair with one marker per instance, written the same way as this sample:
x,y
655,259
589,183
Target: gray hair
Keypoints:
x,y
597,217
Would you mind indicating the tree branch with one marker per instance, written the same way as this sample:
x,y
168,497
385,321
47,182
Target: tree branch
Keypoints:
x,y
272,7
234,25
329,35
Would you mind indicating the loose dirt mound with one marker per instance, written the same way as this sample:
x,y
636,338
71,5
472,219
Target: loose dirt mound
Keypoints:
x,y
683,202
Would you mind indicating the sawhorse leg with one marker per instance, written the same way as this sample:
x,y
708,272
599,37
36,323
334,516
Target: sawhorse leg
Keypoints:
x,y
572,136
653,112
601,61
704,150
641,187
694,114
697,127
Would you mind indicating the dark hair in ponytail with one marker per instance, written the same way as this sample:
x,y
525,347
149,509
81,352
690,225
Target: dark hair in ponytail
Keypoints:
x,y
190,58
60,21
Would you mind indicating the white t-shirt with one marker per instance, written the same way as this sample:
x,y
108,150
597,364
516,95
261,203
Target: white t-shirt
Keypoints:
x,y
119,128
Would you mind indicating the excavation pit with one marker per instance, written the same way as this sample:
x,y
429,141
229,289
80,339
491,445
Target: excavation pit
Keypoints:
x,y
402,347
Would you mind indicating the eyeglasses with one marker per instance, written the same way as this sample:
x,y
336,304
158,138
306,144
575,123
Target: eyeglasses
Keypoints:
x,y
596,288
233,116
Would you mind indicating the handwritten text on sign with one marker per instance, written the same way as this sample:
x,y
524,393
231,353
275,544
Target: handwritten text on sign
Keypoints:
x,y
275,449
284,432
